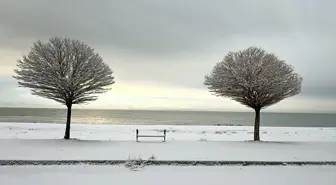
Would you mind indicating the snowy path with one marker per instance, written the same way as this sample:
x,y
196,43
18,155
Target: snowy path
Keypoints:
x,y
168,175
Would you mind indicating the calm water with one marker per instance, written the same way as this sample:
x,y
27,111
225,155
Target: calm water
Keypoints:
x,y
165,117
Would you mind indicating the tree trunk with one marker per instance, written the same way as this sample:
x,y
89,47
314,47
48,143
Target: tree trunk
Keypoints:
x,y
257,125
67,127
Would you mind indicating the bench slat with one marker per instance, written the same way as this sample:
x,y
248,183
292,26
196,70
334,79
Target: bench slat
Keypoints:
x,y
149,136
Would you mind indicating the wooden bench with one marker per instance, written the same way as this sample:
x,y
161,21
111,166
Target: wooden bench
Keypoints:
x,y
163,136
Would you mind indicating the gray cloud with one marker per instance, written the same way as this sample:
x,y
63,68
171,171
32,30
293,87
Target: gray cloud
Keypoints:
x,y
163,26
177,37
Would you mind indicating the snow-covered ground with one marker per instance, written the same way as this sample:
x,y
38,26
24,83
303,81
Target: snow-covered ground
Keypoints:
x,y
174,133
113,142
168,175
172,150
116,142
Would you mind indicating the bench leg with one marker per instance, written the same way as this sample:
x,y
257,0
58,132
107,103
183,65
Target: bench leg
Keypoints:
x,y
164,135
136,135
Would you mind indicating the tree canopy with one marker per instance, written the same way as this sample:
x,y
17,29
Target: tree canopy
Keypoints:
x,y
254,78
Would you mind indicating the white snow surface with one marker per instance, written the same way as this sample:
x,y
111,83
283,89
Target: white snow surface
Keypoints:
x,y
117,142
174,132
168,175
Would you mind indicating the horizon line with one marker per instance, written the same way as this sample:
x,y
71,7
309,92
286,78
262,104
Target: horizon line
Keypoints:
x,y
174,110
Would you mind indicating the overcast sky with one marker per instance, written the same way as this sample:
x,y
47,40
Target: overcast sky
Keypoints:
x,y
161,50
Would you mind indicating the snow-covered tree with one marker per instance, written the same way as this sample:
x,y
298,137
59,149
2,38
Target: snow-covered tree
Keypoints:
x,y
65,70
254,78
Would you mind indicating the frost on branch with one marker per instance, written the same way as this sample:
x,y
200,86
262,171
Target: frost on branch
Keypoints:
x,y
65,70
254,78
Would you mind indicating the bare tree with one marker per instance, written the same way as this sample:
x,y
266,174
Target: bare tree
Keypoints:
x,y
254,78
65,70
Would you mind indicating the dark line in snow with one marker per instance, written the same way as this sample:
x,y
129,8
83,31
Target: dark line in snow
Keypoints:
x,y
158,162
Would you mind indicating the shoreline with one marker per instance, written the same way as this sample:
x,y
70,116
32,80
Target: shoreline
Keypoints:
x,y
160,125
171,110
134,117
165,125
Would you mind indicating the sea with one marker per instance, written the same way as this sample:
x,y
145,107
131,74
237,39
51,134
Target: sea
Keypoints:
x,y
133,117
